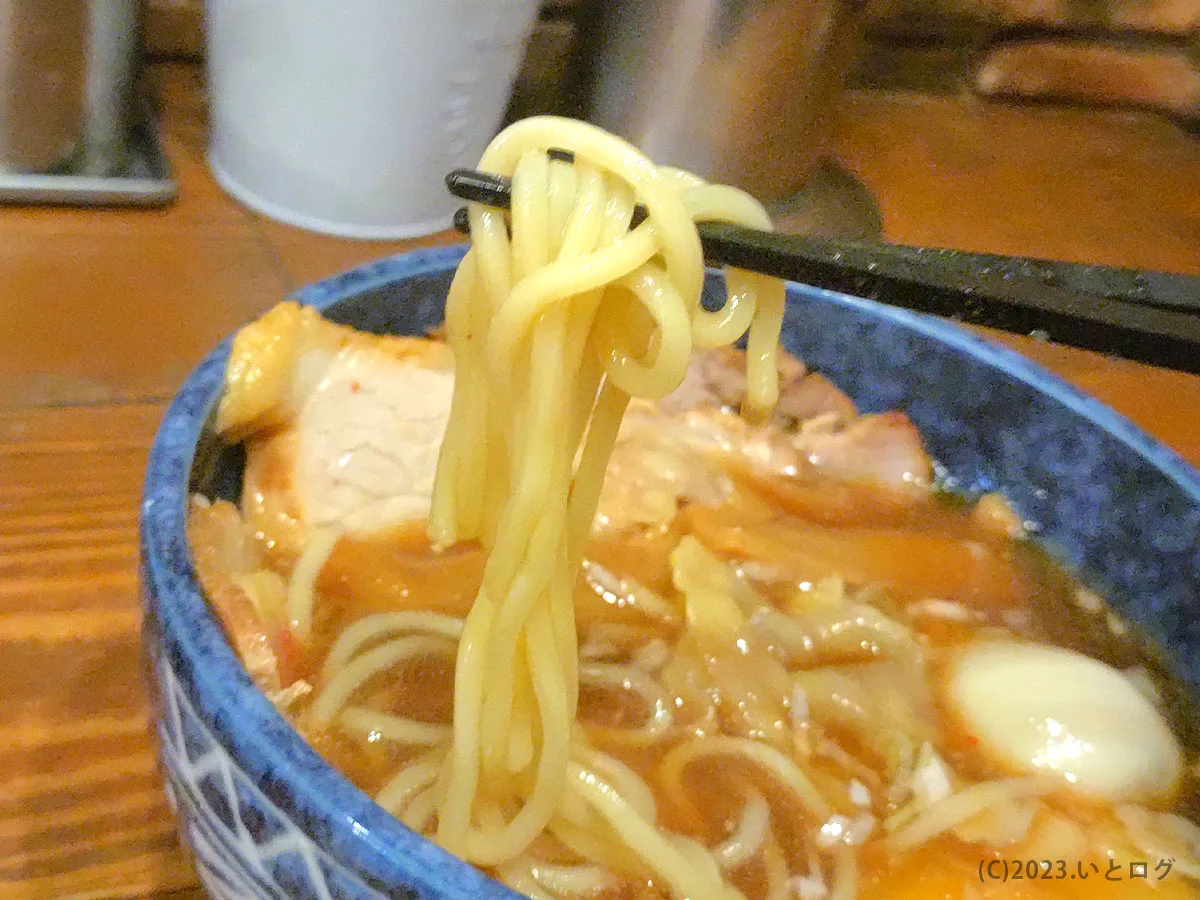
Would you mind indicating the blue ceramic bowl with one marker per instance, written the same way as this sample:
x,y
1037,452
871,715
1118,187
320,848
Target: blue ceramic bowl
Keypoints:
x,y
265,816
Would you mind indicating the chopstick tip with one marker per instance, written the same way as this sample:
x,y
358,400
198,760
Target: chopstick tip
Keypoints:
x,y
462,221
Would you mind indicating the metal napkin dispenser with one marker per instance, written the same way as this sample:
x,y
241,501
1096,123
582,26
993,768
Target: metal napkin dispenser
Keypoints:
x,y
73,127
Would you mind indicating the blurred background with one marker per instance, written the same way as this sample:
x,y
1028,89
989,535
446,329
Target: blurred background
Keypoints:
x,y
183,164
1140,53
753,92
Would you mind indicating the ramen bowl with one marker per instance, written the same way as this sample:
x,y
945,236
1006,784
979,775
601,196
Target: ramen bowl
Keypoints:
x,y
266,817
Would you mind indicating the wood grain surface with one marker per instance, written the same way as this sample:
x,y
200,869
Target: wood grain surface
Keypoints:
x,y
102,314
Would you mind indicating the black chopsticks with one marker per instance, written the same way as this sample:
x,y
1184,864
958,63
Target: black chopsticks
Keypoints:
x,y
1151,317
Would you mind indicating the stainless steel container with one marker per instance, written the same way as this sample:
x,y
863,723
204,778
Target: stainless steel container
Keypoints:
x,y
68,70
737,91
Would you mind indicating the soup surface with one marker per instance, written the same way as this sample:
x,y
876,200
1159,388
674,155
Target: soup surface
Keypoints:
x,y
819,672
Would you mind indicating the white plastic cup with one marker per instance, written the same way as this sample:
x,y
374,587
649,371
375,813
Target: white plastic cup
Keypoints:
x,y
343,117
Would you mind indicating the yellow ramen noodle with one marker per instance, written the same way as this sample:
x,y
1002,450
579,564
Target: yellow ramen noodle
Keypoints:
x,y
554,329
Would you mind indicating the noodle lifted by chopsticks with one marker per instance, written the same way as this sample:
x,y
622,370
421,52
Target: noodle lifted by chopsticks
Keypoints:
x,y
554,330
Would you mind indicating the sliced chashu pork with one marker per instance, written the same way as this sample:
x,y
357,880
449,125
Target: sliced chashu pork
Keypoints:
x,y
344,428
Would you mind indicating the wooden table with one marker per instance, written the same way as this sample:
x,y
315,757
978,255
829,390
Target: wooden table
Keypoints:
x,y
102,314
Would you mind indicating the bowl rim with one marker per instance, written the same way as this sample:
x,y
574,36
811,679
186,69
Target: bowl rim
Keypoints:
x,y
383,853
